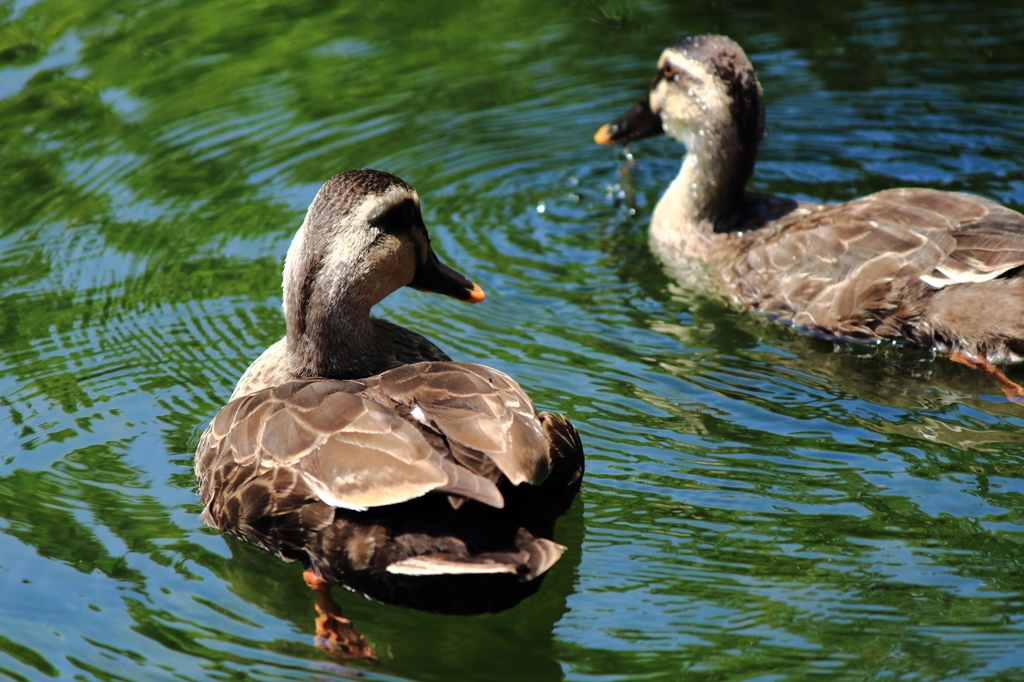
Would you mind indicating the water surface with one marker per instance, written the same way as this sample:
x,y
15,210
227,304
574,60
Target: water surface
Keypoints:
x,y
758,505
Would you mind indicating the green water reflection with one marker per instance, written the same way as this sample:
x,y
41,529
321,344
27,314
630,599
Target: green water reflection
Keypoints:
x,y
758,506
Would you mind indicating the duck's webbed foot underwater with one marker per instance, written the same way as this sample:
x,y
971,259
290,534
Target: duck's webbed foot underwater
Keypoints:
x,y
1014,392
335,634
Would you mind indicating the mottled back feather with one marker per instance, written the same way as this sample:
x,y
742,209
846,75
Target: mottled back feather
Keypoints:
x,y
361,444
871,268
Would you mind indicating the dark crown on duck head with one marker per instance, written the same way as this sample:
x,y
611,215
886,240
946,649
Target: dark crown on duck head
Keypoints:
x,y
340,198
345,192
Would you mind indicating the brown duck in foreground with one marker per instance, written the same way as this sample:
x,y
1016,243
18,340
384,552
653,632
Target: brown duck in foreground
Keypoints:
x,y
937,269
360,449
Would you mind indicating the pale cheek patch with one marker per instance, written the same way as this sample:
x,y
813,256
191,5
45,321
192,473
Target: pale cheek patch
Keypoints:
x,y
693,106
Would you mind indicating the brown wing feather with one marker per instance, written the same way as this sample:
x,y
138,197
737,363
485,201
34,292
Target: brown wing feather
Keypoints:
x,y
359,444
867,268
486,418
349,450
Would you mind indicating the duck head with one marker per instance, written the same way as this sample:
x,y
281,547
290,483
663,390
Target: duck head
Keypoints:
x,y
701,83
706,95
363,238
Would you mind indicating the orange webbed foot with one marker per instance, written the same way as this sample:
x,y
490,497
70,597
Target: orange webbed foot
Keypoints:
x,y
335,634
1013,391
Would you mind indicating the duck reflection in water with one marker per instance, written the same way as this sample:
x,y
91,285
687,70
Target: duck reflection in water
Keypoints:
x,y
359,448
937,269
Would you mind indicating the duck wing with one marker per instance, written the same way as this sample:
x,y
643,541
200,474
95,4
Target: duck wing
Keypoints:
x,y
331,440
865,269
486,419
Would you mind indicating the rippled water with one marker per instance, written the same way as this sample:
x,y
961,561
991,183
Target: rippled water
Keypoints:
x,y
757,506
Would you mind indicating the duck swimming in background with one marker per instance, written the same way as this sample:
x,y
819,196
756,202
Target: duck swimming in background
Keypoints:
x,y
358,448
937,269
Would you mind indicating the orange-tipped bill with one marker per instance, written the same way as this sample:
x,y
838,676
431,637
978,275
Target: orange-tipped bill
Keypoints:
x,y
604,134
636,124
433,276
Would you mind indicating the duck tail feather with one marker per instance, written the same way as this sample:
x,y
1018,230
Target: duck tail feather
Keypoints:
x,y
448,564
533,558
541,554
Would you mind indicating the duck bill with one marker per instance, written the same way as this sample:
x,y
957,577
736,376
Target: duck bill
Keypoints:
x,y
435,277
636,124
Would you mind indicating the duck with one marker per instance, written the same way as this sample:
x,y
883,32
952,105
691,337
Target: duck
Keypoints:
x,y
360,449
936,269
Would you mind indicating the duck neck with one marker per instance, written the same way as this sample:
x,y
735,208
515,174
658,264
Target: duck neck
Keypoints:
x,y
327,304
331,335
707,195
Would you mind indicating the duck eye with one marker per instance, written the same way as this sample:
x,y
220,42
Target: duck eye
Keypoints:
x,y
669,73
